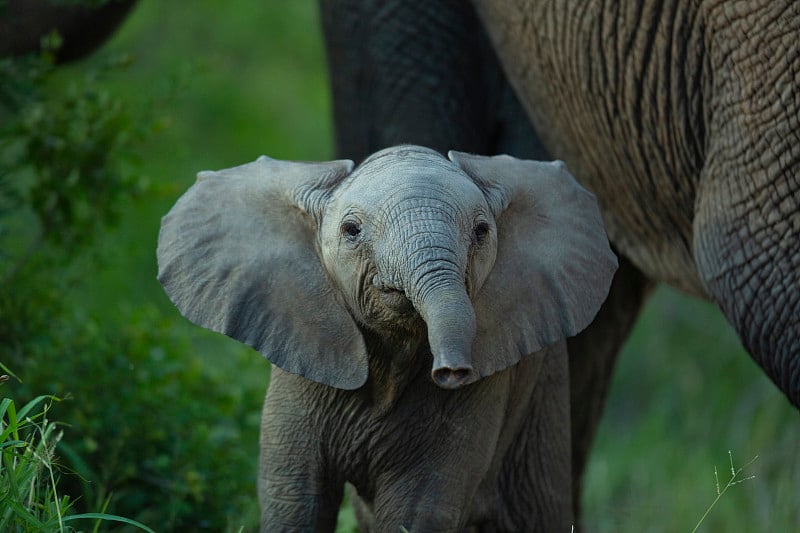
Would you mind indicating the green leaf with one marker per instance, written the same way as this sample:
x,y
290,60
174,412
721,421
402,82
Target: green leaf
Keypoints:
x,y
13,428
33,403
110,518
12,443
22,513
10,373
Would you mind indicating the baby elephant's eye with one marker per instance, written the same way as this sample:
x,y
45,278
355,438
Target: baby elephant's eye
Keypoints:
x,y
350,230
480,232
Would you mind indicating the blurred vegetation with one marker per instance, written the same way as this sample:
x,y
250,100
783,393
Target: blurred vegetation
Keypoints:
x,y
30,498
161,418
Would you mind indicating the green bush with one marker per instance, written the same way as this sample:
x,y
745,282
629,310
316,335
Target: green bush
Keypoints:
x,y
30,498
150,431
149,425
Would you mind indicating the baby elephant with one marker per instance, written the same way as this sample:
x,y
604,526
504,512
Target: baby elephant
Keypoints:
x,y
415,310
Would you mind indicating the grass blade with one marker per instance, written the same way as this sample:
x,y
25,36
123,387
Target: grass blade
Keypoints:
x,y
110,518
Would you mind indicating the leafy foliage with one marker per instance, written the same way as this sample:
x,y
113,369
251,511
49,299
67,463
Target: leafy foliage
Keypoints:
x,y
27,497
150,431
154,430
63,154
29,492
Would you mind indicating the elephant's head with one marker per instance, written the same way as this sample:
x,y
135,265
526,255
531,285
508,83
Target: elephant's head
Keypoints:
x,y
494,257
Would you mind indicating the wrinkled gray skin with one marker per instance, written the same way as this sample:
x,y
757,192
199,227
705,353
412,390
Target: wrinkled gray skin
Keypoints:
x,y
415,310
681,116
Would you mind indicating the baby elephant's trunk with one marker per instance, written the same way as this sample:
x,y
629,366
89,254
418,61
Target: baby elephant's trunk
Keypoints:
x,y
450,319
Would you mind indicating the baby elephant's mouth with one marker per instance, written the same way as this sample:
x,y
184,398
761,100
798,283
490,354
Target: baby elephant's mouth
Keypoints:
x,y
396,301
392,296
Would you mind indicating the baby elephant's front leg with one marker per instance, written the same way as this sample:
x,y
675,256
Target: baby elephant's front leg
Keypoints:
x,y
296,491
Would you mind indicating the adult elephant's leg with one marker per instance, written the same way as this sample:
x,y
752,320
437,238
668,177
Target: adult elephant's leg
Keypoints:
x,y
410,71
747,245
592,358
747,223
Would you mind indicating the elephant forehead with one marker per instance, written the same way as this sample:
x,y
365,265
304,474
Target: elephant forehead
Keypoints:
x,y
404,181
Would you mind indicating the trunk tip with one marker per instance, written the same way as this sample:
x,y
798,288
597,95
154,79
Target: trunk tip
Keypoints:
x,y
452,378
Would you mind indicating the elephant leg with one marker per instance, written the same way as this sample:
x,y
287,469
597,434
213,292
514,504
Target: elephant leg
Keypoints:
x,y
747,247
747,214
536,479
420,72
297,490
549,433
592,356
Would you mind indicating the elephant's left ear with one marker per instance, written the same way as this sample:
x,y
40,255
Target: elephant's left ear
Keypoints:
x,y
554,265
237,255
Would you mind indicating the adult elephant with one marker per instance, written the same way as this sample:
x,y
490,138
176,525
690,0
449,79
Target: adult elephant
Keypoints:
x,y
682,116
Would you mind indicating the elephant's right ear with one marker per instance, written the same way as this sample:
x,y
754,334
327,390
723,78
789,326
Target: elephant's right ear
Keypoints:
x,y
237,255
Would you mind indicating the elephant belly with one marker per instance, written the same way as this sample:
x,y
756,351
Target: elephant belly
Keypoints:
x,y
608,98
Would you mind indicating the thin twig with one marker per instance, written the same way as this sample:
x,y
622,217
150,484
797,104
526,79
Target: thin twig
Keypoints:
x,y
731,482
